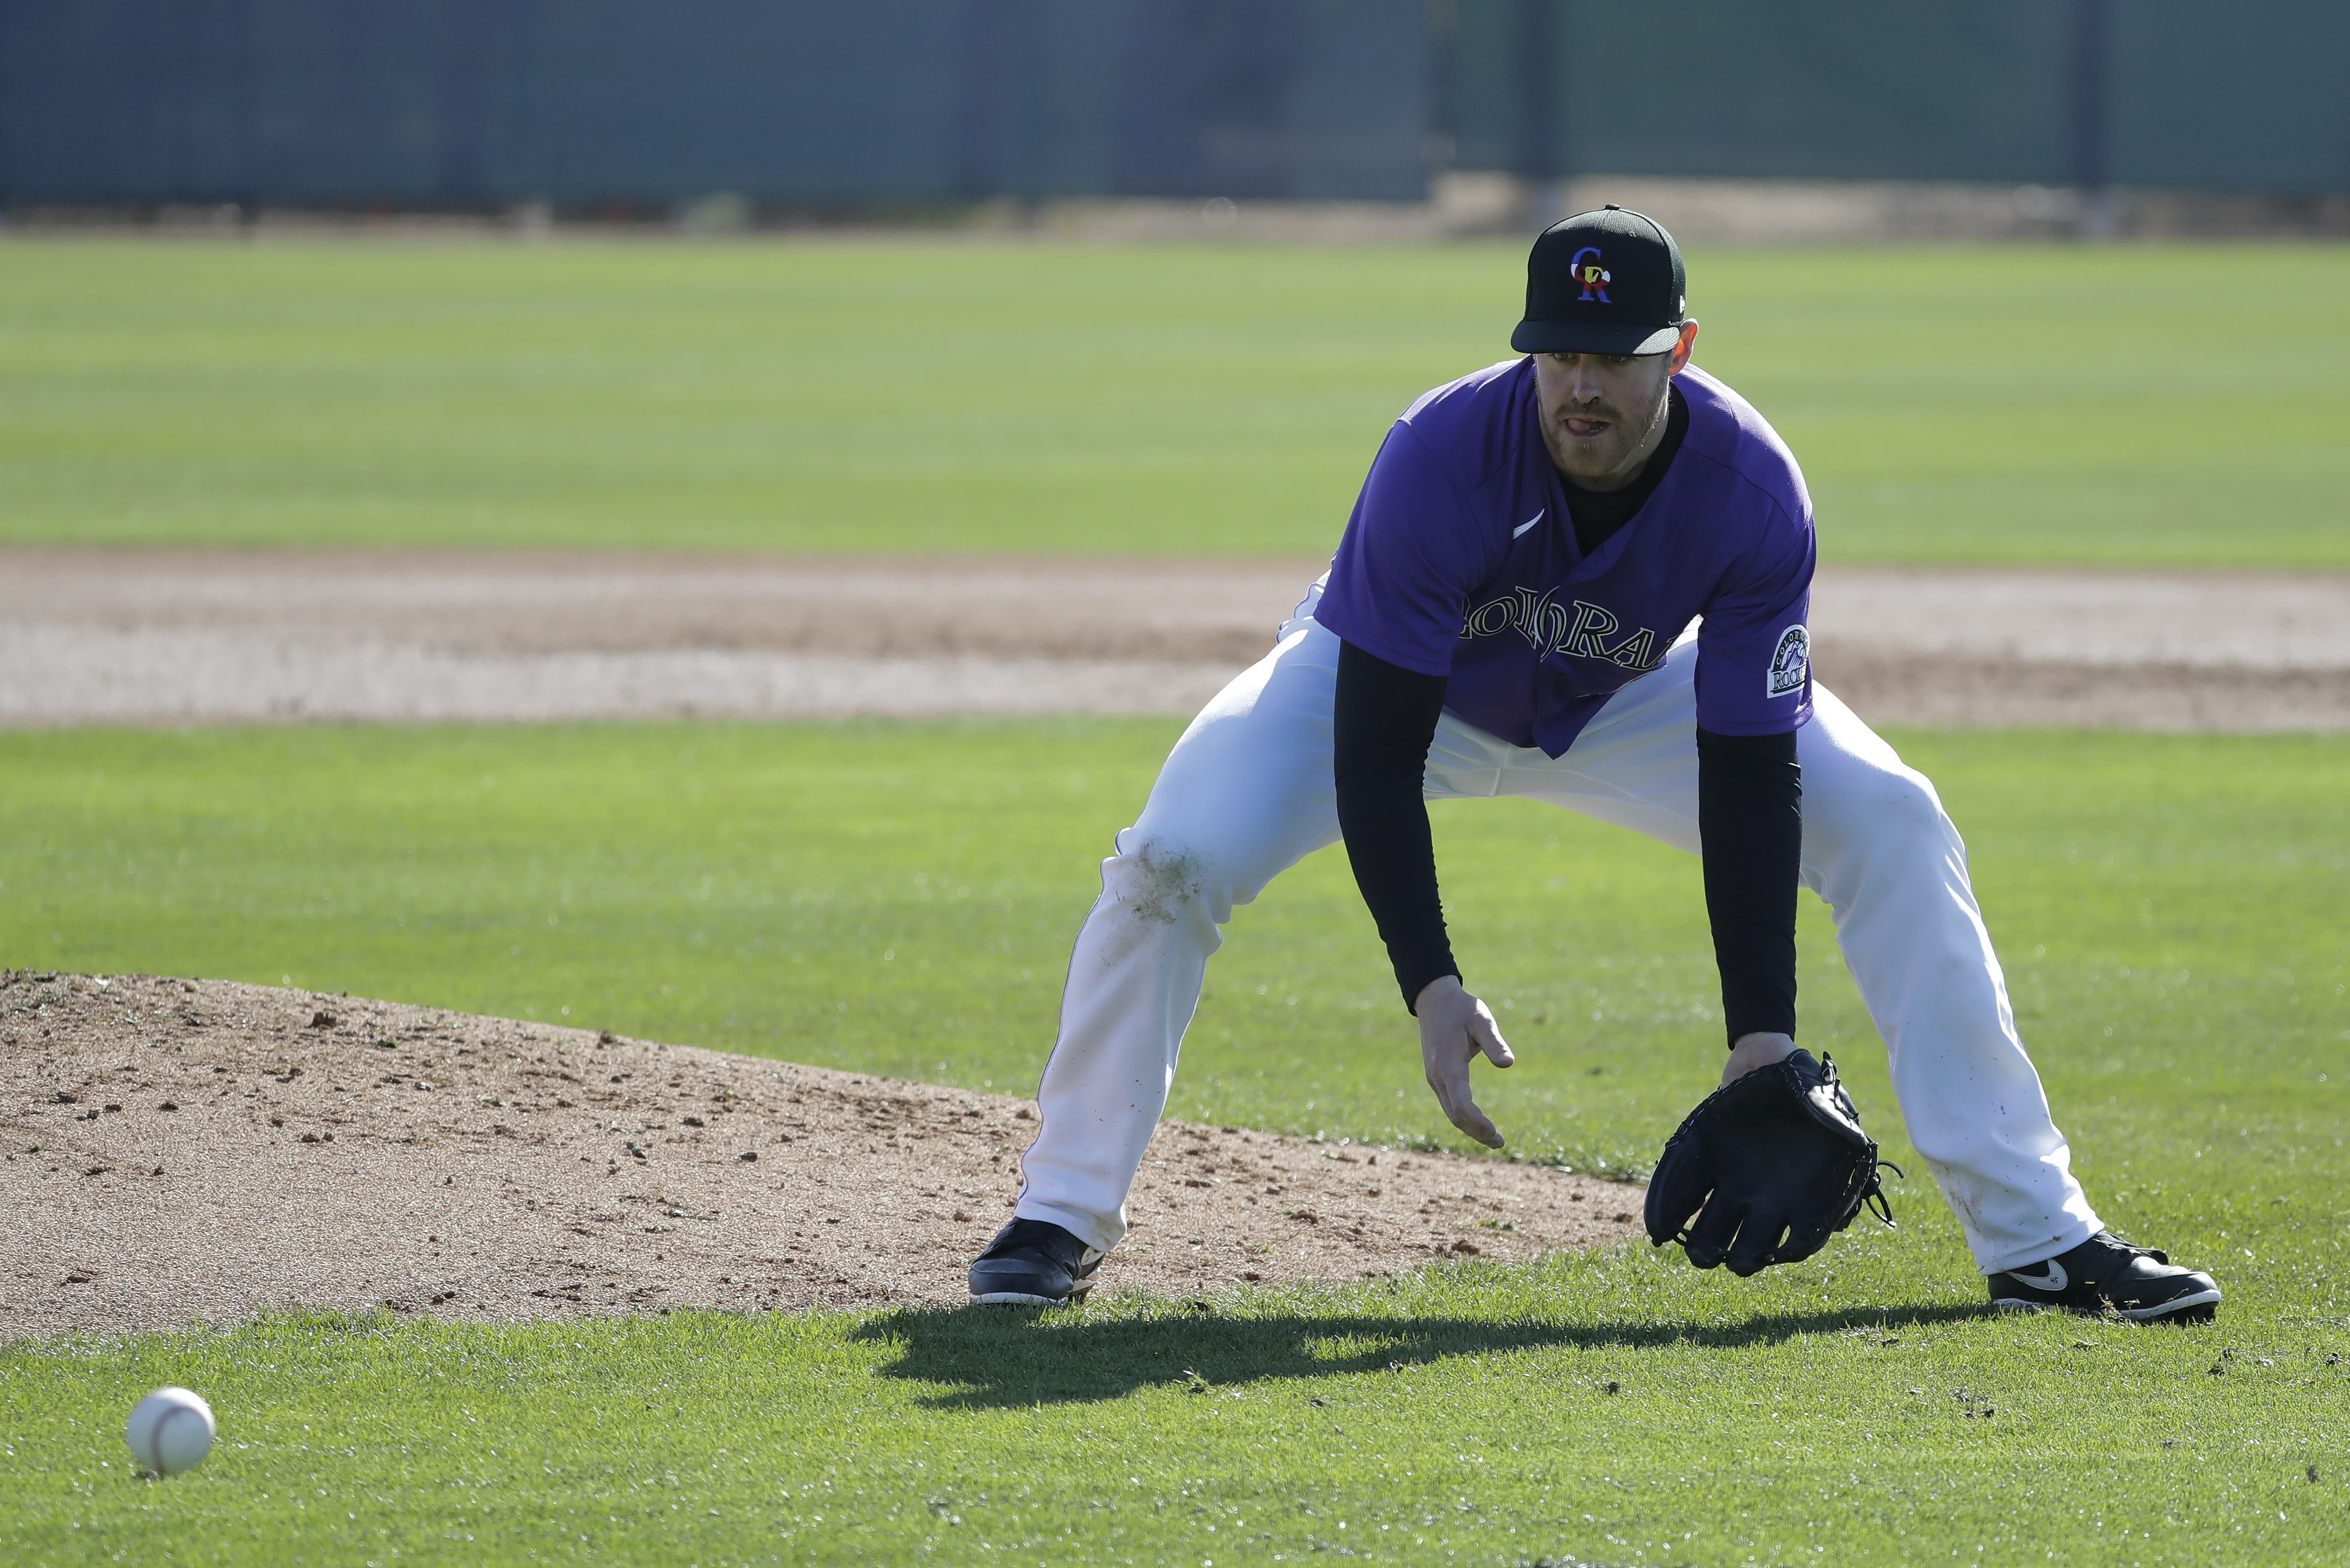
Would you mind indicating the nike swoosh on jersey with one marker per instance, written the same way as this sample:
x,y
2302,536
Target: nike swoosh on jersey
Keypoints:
x,y
2056,1279
1520,531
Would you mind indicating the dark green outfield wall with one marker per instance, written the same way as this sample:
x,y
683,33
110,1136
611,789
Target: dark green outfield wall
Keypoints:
x,y
2245,96
426,103
456,102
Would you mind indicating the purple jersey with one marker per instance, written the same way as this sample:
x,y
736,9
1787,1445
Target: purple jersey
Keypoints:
x,y
1460,560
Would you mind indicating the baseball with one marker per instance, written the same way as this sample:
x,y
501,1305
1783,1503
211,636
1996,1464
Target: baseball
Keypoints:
x,y
169,1430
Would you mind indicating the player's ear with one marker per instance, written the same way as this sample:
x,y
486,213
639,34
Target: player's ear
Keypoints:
x,y
1682,350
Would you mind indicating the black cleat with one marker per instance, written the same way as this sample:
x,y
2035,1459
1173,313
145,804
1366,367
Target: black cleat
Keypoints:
x,y
2106,1273
1034,1262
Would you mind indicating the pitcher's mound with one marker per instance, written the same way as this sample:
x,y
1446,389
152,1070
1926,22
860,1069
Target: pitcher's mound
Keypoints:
x,y
179,1150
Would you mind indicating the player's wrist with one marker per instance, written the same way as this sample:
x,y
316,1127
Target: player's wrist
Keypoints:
x,y
1759,1049
1434,988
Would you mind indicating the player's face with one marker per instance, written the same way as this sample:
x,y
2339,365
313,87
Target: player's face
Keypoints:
x,y
1603,414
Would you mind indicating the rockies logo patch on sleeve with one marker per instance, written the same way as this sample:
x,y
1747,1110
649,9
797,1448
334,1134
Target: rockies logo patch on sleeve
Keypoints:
x,y
1790,662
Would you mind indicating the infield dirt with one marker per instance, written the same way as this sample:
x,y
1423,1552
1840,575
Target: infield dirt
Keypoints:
x,y
182,1150
231,637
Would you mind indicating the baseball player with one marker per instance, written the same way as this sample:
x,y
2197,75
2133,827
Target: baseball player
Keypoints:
x,y
1581,575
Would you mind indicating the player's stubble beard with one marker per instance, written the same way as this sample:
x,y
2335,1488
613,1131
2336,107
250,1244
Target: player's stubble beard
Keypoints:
x,y
1613,461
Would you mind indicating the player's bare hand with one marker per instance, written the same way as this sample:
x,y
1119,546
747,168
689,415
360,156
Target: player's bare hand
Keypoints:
x,y
1455,1029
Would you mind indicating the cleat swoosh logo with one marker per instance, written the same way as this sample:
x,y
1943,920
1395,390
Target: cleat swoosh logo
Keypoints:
x,y
2056,1278
1520,531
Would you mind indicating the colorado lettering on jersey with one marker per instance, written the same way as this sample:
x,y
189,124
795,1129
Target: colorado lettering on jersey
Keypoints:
x,y
1576,628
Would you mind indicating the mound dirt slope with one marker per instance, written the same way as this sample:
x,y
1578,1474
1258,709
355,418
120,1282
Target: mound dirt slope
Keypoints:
x,y
179,1150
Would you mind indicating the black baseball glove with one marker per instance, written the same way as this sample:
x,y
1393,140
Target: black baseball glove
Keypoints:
x,y
1777,1161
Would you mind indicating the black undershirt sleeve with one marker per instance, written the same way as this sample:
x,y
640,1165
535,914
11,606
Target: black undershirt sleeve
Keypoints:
x,y
1750,816
1385,718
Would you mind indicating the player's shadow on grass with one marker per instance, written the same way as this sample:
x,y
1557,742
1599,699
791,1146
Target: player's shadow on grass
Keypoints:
x,y
999,1357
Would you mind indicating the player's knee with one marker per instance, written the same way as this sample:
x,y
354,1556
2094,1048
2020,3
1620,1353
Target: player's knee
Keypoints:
x,y
1160,880
1892,810
1908,817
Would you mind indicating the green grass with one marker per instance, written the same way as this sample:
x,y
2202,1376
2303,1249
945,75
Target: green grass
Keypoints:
x,y
899,898
2115,405
1465,1416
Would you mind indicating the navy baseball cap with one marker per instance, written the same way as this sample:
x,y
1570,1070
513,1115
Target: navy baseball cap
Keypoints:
x,y
1605,282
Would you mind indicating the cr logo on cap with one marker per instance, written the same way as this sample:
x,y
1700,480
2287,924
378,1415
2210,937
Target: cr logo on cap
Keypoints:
x,y
1593,278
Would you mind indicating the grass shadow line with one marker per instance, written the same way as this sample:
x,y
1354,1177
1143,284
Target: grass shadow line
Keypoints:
x,y
1001,1358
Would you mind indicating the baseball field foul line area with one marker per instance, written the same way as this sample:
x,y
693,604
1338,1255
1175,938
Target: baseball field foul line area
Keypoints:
x,y
815,893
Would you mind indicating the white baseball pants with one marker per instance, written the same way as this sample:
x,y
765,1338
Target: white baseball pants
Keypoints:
x,y
1247,793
